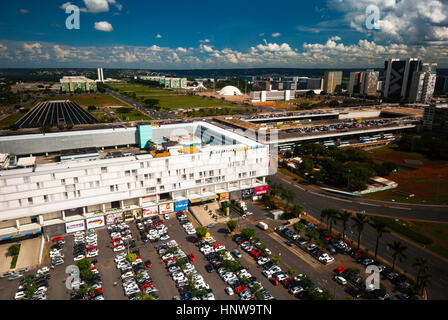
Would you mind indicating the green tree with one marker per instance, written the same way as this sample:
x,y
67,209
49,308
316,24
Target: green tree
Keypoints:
x,y
276,259
360,221
14,249
422,266
344,217
291,271
331,215
299,227
380,229
201,232
180,262
230,265
296,210
232,224
131,257
398,252
288,195
248,233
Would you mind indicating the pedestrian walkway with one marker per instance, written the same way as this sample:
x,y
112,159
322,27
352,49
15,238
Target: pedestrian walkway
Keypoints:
x,y
5,260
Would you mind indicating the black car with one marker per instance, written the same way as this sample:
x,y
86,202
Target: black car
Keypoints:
x,y
353,292
209,268
289,243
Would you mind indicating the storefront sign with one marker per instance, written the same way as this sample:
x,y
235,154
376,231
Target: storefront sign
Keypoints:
x,y
75,226
147,212
166,208
93,223
181,205
261,190
114,218
128,216
224,196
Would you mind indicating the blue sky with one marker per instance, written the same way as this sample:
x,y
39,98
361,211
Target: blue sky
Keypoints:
x,y
217,34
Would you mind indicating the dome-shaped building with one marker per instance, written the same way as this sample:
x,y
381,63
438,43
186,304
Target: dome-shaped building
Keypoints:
x,y
230,91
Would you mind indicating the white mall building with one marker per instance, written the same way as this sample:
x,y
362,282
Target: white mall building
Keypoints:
x,y
173,167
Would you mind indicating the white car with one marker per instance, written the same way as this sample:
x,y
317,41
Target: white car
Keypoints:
x,y
208,296
119,248
80,257
262,261
340,280
167,216
127,275
295,290
19,295
325,258
91,254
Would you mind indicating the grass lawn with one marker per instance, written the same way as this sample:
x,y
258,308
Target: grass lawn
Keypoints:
x,y
430,235
9,121
428,182
98,100
169,100
134,115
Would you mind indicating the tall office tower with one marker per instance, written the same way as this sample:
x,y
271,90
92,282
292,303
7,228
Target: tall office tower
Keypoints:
x,y
423,84
354,84
100,75
332,81
314,84
398,77
441,84
369,82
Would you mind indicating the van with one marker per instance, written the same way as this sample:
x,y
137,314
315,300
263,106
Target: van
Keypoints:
x,y
262,225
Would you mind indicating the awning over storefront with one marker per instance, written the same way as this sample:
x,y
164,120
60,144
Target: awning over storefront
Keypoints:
x,y
195,198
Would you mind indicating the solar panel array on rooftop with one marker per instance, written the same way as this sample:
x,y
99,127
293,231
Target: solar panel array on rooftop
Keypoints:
x,y
55,113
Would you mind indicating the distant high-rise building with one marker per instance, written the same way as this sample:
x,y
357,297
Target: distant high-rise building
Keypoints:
x,y
369,82
354,84
441,84
398,77
100,75
435,117
332,81
314,84
423,84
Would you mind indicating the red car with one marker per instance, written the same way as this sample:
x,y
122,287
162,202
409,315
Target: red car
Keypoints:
x,y
96,291
357,255
274,281
191,257
56,239
286,282
148,263
146,286
115,240
92,248
240,289
339,270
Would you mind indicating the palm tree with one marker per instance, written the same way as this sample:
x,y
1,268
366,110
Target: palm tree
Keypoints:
x,y
289,196
380,229
398,250
424,281
360,220
344,216
422,265
332,217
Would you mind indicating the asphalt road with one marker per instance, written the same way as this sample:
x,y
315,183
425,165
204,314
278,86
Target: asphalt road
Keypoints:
x,y
313,203
153,113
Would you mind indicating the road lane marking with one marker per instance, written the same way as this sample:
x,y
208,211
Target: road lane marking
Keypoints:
x,y
370,204
401,208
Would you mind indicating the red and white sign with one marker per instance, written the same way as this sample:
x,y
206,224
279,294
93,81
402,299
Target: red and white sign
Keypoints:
x,y
114,217
166,208
261,190
75,226
147,212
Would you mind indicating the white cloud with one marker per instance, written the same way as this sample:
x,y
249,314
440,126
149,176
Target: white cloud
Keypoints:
x,y
97,6
103,26
333,53
204,41
275,35
158,36
24,11
65,5
407,21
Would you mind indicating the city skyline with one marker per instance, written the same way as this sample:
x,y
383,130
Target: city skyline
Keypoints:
x,y
135,34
